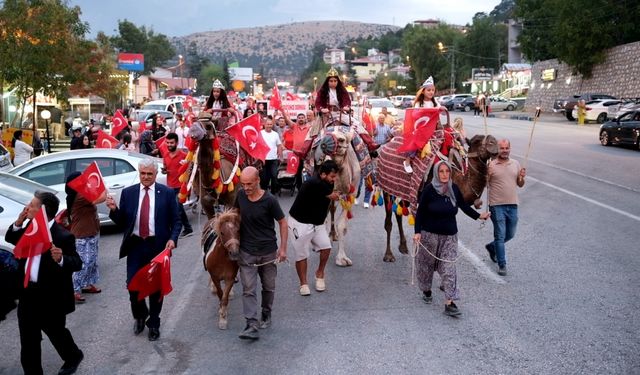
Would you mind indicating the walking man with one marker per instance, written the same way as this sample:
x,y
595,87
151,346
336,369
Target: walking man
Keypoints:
x,y
172,162
148,213
48,296
306,222
258,245
269,178
504,176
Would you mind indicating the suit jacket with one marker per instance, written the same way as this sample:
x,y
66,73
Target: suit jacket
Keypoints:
x,y
54,280
167,219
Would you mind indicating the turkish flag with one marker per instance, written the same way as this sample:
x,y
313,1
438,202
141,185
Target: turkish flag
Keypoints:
x,y
162,145
36,239
366,121
118,123
299,135
275,100
419,125
154,277
293,162
90,183
247,133
290,96
105,140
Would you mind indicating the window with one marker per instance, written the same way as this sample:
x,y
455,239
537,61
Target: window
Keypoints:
x,y
372,72
108,167
48,174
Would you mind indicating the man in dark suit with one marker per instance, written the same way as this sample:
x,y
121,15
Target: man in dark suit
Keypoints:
x,y
148,213
48,297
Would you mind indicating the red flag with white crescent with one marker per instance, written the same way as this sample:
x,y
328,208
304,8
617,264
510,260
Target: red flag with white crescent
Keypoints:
x,y
154,277
105,140
276,101
90,183
247,133
119,123
293,162
419,126
36,239
162,145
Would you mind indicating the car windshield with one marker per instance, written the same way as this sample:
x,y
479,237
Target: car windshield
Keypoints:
x,y
19,189
154,107
381,103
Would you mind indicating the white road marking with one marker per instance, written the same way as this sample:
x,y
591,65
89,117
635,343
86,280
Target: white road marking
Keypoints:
x,y
480,265
582,174
152,364
593,201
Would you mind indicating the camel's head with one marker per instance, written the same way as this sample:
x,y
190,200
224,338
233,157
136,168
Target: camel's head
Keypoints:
x,y
485,148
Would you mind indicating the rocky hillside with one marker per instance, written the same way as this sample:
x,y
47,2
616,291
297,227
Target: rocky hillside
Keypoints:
x,y
283,50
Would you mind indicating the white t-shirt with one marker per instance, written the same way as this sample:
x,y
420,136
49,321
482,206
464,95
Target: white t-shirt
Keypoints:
x,y
273,141
427,104
22,153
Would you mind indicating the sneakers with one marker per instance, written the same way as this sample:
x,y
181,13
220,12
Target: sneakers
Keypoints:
x,y
365,205
492,252
320,285
304,290
407,167
451,309
502,270
265,322
186,233
426,297
250,332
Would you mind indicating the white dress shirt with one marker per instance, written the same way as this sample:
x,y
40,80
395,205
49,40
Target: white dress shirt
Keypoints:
x,y
35,267
152,214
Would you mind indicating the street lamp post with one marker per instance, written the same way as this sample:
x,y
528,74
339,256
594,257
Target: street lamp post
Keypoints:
x,y
180,64
444,49
46,115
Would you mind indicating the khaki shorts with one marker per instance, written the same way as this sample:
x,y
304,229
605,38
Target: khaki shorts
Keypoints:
x,y
306,236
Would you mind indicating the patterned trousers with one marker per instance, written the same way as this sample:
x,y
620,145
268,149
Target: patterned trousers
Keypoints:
x,y
87,248
443,247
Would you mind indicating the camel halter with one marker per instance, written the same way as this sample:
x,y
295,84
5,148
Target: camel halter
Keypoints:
x,y
414,253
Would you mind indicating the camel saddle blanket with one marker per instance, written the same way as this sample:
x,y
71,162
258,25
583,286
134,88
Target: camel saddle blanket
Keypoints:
x,y
391,176
360,148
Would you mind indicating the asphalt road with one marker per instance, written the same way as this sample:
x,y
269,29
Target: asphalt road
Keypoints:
x,y
568,305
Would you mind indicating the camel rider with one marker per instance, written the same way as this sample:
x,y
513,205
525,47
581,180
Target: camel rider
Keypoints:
x,y
333,98
218,100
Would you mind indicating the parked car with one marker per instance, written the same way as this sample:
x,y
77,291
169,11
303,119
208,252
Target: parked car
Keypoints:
x,y
566,105
623,130
498,103
378,104
407,102
442,99
466,105
455,99
119,169
597,110
142,115
15,193
169,105
626,105
402,100
5,159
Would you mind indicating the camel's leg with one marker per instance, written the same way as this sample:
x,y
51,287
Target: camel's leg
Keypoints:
x,y
224,303
341,258
332,224
403,241
388,226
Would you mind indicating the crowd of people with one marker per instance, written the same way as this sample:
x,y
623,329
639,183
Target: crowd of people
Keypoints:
x,y
70,269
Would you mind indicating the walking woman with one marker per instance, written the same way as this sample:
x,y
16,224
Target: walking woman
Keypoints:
x,y
436,233
85,226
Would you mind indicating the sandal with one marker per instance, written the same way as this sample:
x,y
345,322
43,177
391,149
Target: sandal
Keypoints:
x,y
91,289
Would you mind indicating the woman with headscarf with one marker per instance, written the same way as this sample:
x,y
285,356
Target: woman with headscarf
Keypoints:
x,y
85,226
147,146
436,235
21,150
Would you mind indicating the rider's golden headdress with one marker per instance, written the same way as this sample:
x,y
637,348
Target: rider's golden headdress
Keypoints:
x,y
333,73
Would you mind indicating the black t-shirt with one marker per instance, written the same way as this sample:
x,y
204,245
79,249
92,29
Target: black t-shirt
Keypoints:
x,y
311,204
437,215
257,227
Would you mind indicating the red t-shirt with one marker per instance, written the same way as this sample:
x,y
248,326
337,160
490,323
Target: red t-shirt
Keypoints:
x,y
172,165
287,139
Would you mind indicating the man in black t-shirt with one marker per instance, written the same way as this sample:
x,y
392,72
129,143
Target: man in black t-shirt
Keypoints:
x,y
306,222
258,245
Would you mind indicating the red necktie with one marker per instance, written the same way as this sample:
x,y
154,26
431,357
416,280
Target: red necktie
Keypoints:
x,y
144,214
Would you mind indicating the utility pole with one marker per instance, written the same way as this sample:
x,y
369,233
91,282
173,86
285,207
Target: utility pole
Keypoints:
x,y
453,71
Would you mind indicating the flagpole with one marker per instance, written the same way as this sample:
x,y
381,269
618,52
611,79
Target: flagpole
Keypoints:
x,y
535,120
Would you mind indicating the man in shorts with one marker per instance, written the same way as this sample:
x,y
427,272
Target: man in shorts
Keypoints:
x,y
306,223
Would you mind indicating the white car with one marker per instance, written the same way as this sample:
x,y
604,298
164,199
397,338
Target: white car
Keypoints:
x,y
597,110
15,193
169,105
498,103
378,104
5,159
119,169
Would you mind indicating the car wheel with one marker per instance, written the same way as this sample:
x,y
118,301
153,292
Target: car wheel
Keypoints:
x,y
510,107
570,116
601,118
466,108
605,140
